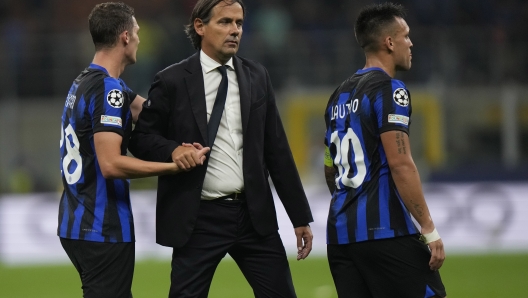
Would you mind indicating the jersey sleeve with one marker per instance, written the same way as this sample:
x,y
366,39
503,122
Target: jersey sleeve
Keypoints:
x,y
131,94
108,108
393,107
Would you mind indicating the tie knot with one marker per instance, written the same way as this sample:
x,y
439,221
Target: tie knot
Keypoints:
x,y
223,70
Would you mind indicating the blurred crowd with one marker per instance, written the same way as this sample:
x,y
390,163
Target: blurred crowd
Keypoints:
x,y
301,42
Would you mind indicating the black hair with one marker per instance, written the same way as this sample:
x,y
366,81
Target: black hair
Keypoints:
x,y
107,21
202,10
373,20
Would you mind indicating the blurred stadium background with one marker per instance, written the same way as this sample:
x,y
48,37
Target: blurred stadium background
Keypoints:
x,y
469,133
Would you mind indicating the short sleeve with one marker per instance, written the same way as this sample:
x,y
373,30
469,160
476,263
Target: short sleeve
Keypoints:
x,y
393,107
108,107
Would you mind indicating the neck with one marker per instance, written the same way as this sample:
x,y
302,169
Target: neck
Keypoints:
x,y
222,59
111,60
381,61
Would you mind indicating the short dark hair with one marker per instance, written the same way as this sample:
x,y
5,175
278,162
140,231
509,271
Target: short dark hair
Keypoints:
x,y
107,21
202,10
372,20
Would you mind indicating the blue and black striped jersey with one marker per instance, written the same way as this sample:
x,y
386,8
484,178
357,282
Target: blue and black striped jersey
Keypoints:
x,y
93,208
365,204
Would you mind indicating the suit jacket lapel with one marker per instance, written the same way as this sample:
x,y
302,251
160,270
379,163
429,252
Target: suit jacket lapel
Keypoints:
x,y
195,88
244,87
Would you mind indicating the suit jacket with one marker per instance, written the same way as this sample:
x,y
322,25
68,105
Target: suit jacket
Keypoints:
x,y
175,112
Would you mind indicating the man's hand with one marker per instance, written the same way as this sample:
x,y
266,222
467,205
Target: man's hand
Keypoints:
x,y
437,254
304,241
437,251
197,146
189,156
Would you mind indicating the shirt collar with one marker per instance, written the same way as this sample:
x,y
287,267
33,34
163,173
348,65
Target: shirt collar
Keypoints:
x,y
209,64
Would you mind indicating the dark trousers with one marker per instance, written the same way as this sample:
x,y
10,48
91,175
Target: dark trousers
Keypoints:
x,y
106,269
386,268
225,227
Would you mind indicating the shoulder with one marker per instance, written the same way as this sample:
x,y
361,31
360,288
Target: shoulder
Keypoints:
x,y
382,78
377,77
173,69
253,71
104,86
398,84
112,83
253,65
91,76
379,81
94,81
184,67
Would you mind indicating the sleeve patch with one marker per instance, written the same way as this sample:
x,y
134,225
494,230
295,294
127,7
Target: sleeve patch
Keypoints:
x,y
105,119
401,97
115,98
400,119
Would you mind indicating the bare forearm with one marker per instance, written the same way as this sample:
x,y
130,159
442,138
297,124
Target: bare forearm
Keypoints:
x,y
407,180
408,183
113,165
126,167
406,177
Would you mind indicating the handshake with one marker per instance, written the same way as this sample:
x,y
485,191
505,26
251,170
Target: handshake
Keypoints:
x,y
188,156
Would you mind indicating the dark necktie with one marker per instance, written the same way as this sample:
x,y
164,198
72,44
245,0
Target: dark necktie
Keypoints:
x,y
218,107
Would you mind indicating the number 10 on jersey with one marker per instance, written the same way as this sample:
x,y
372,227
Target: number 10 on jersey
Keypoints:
x,y
346,177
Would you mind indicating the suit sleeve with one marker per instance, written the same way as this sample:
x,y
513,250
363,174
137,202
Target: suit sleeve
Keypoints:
x,y
149,139
281,166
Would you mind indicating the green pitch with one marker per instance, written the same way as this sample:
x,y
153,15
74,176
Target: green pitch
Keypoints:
x,y
464,276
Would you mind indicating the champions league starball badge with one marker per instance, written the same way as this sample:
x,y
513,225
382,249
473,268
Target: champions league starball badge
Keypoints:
x,y
401,97
115,98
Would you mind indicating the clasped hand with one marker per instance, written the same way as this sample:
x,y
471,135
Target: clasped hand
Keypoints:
x,y
187,156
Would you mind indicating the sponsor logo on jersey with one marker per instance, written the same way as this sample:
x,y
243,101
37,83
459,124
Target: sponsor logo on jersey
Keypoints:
x,y
115,98
105,119
401,97
400,119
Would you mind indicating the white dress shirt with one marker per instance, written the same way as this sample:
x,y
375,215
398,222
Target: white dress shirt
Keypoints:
x,y
224,172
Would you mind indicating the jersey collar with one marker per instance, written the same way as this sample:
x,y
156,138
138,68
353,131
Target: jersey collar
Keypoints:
x,y
362,71
95,66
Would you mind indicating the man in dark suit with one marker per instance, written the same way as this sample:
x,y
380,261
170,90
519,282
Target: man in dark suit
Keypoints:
x,y
227,205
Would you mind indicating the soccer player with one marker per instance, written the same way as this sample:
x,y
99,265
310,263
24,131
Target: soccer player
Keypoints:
x,y
95,218
374,248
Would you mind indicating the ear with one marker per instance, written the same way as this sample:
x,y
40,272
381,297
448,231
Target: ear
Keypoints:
x,y
124,37
388,42
199,26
